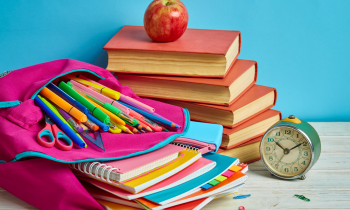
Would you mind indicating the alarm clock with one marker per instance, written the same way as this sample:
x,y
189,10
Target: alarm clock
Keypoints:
x,y
290,148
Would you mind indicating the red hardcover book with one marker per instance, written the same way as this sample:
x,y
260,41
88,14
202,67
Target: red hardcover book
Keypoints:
x,y
198,52
253,102
250,129
247,152
220,91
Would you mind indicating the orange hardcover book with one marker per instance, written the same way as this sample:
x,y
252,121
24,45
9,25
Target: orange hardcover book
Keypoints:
x,y
247,152
250,129
221,91
198,52
253,102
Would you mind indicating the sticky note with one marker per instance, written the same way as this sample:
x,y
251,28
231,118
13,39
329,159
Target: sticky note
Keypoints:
x,y
235,168
206,186
213,182
221,178
228,173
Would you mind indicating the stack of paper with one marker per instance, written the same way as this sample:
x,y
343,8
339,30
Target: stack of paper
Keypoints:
x,y
186,174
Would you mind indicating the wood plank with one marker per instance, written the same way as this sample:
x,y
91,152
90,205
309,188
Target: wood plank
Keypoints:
x,y
323,189
332,128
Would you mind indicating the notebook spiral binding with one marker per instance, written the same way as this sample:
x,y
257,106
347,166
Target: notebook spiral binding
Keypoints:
x,y
90,171
188,147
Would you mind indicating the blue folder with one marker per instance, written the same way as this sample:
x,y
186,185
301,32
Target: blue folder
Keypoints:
x,y
205,132
222,164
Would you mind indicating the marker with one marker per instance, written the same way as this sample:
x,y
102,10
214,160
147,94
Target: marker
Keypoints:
x,y
108,113
122,96
68,98
101,89
63,104
93,109
87,91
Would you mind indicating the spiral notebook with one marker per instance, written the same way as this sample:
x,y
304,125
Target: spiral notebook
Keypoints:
x,y
186,157
125,169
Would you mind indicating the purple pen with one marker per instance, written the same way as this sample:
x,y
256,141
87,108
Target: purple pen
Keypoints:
x,y
71,121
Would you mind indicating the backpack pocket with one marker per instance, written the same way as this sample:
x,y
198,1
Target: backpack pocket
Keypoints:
x,y
25,115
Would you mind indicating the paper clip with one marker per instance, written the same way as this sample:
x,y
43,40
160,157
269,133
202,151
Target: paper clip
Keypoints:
x,y
241,208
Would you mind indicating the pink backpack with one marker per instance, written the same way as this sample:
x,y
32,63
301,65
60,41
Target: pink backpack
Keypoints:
x,y
45,182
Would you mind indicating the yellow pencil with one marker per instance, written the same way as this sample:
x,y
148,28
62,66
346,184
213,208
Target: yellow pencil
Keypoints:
x,y
124,128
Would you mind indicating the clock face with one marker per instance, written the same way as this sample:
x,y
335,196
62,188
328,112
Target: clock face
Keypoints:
x,y
286,151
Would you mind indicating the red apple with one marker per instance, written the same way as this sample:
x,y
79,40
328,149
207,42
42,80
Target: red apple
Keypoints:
x,y
165,20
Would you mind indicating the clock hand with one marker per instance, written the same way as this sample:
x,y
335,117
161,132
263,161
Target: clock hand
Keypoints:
x,y
296,146
278,144
280,159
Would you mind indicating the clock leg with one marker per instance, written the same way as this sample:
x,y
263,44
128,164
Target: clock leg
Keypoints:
x,y
303,177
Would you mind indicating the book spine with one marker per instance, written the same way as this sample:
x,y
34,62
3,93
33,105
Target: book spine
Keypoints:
x,y
88,169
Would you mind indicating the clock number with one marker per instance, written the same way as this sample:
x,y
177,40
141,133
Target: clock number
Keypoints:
x,y
287,132
297,135
295,168
269,139
270,158
278,134
267,148
306,153
304,144
286,170
303,162
276,166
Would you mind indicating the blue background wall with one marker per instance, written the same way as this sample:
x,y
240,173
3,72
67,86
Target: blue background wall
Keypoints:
x,y
302,47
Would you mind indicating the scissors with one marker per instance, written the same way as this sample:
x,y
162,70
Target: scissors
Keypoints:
x,y
55,135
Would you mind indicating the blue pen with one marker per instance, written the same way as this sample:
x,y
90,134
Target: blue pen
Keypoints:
x,y
100,124
77,104
241,196
64,127
68,98
151,116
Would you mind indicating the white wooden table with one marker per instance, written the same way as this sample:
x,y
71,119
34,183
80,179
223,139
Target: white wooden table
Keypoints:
x,y
327,184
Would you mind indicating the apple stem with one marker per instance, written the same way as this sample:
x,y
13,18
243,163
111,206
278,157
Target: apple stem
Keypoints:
x,y
168,4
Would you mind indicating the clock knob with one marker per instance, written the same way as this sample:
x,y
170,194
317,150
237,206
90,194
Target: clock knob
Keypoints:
x,y
291,119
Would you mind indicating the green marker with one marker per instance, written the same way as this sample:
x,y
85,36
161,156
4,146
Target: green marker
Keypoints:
x,y
126,118
98,113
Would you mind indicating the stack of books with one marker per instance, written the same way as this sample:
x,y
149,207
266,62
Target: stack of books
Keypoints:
x,y
186,174
200,72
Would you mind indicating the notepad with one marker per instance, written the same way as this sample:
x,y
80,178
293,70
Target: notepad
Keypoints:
x,y
187,157
180,191
125,169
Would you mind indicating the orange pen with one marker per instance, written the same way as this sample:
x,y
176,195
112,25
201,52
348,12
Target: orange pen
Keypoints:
x,y
74,112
